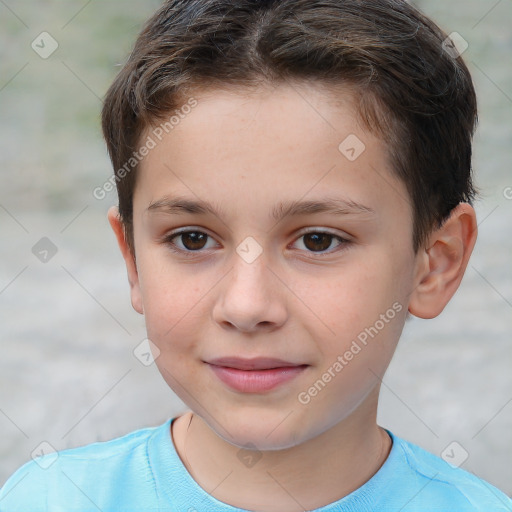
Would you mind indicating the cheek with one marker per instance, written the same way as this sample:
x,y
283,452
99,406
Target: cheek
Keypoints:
x,y
363,304
347,299
365,320
175,303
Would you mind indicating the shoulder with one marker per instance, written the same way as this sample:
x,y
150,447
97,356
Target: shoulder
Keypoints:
x,y
59,476
446,486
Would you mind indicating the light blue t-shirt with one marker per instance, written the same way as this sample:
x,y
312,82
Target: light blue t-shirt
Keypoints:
x,y
142,471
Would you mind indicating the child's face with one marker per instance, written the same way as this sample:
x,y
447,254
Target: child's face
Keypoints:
x,y
304,299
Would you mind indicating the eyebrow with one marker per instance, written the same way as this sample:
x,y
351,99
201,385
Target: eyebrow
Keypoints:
x,y
335,206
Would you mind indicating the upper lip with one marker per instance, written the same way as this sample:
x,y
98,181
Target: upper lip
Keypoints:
x,y
256,363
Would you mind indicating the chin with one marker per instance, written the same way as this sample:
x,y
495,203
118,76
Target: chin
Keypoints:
x,y
262,429
258,439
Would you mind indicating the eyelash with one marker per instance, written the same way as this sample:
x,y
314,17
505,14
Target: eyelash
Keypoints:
x,y
168,240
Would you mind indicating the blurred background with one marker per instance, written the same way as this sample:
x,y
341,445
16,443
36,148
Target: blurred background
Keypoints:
x,y
68,374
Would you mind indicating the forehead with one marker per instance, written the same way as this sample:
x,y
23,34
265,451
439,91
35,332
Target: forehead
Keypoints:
x,y
252,148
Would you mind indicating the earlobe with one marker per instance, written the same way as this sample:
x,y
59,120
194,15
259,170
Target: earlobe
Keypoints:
x,y
442,263
131,267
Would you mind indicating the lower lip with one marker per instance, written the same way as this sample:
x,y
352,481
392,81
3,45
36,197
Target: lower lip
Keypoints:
x,y
256,381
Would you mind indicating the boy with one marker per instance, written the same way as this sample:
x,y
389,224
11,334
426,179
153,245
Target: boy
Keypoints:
x,y
244,137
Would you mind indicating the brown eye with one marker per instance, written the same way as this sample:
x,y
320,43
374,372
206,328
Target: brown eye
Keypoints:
x,y
194,240
191,241
318,241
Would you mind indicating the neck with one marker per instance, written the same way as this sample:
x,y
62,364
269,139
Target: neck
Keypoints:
x,y
311,475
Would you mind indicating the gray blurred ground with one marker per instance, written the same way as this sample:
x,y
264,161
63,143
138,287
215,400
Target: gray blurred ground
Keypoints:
x,y
67,330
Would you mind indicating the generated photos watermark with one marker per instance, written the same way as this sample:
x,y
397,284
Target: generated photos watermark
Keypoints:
x,y
150,143
355,348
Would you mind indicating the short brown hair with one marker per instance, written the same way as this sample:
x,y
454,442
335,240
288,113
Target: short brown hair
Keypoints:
x,y
411,91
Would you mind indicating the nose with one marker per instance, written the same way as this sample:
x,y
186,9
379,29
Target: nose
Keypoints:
x,y
253,299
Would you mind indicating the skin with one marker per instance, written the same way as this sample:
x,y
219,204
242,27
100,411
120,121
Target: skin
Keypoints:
x,y
245,151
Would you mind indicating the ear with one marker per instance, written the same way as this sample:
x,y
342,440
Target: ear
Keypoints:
x,y
441,263
131,267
